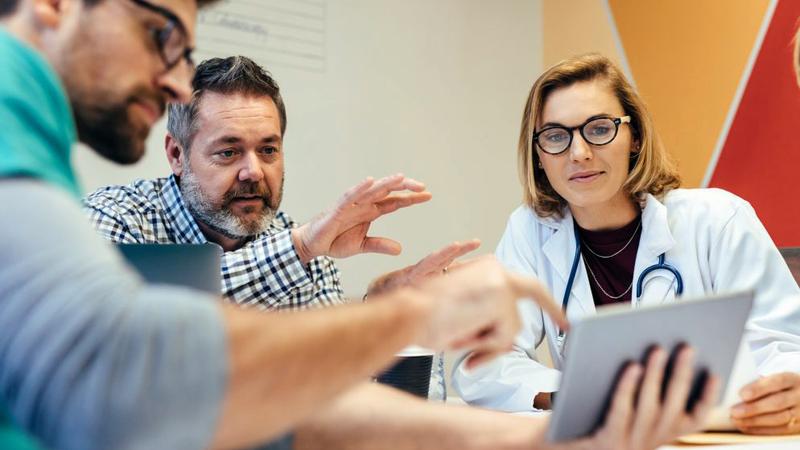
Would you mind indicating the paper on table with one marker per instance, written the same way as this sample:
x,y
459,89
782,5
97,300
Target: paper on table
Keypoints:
x,y
744,372
734,438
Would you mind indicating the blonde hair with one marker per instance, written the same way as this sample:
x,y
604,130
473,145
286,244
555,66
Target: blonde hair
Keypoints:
x,y
651,170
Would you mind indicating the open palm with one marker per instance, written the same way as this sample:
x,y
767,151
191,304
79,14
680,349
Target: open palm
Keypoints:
x,y
342,231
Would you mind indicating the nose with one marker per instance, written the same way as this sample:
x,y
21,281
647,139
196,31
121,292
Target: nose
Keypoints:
x,y
580,150
176,83
251,168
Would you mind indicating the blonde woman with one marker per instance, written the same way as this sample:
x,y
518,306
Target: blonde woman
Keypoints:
x,y
603,219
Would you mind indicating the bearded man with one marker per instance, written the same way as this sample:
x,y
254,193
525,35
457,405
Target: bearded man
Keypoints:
x,y
225,148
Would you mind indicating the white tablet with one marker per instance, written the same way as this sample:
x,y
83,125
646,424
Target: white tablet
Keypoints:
x,y
599,347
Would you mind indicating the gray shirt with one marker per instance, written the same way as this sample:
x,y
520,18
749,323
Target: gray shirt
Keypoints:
x,y
90,357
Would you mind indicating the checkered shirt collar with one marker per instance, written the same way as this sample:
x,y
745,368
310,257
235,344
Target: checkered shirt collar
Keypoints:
x,y
184,226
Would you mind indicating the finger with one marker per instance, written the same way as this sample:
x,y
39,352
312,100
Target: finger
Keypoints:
x,y
464,248
354,192
413,185
770,431
649,401
465,263
385,184
771,403
444,257
775,419
704,406
487,346
383,187
471,342
395,202
477,359
680,384
767,385
436,261
528,287
381,245
620,415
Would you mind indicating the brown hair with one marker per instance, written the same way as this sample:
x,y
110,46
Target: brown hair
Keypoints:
x,y
231,75
651,171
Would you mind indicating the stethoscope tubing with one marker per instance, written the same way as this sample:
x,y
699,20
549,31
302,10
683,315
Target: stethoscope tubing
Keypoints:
x,y
660,265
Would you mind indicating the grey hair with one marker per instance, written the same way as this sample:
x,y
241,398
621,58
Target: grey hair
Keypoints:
x,y
231,75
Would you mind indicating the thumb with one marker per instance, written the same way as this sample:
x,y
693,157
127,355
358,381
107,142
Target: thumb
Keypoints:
x,y
385,246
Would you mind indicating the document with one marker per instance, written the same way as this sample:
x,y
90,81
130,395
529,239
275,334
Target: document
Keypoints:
x,y
743,373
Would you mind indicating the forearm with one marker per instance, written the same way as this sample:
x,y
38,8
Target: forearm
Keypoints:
x,y
376,417
282,368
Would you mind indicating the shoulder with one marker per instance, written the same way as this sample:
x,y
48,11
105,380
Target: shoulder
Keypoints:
x,y
525,220
523,215
707,202
525,228
138,197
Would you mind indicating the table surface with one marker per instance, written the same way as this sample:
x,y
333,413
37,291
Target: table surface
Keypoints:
x,y
786,445
767,443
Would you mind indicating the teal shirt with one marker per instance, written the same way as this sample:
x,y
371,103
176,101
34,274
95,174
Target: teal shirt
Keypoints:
x,y
12,439
37,129
36,138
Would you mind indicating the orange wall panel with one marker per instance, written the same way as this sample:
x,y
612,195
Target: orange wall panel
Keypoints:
x,y
687,58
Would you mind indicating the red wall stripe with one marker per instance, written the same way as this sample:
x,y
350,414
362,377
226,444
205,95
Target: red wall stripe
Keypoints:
x,y
759,160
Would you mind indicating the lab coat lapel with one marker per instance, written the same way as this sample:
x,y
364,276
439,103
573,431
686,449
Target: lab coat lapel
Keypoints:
x,y
559,250
656,239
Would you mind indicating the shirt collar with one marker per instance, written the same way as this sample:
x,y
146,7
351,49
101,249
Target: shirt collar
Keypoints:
x,y
183,224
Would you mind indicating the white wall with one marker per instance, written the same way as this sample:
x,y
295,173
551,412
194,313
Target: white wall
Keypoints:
x,y
432,88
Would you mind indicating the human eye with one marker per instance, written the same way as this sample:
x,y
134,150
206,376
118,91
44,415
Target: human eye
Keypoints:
x,y
269,150
600,127
599,130
555,136
226,154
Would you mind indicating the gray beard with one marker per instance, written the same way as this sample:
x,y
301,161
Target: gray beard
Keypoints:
x,y
220,219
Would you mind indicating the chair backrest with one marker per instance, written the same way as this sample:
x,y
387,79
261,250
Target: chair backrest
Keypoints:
x,y
792,257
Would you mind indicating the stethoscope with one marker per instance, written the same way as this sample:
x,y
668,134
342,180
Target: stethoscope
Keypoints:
x,y
660,265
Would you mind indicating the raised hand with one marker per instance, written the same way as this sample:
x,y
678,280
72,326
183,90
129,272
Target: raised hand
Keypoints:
x,y
432,265
342,231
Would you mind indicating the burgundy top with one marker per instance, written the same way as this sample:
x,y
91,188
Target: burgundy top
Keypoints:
x,y
614,274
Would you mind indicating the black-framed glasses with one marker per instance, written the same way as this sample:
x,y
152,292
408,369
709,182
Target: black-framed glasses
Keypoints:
x,y
171,39
557,139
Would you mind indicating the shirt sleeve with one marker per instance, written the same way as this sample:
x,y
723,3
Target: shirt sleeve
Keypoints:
x,y
511,381
90,357
744,257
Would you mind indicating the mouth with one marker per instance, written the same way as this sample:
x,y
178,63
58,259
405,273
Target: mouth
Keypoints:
x,y
248,200
585,176
149,110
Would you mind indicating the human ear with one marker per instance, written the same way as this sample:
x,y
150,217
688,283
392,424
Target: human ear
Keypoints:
x,y
174,154
49,13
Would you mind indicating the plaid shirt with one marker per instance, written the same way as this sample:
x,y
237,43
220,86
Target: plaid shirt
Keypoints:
x,y
266,272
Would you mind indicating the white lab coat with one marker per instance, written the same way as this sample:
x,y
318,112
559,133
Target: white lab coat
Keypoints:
x,y
712,237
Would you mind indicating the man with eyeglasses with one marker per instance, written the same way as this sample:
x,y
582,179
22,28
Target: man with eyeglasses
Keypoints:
x,y
93,358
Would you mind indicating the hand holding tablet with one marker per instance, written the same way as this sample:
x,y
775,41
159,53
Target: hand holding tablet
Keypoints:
x,y
606,350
